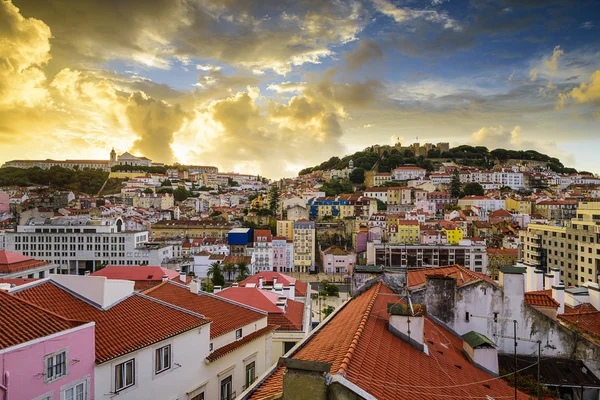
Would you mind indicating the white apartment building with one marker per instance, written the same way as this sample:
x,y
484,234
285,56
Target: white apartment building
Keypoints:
x,y
408,173
263,249
85,243
484,205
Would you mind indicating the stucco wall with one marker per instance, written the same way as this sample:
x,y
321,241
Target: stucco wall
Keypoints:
x,y
26,364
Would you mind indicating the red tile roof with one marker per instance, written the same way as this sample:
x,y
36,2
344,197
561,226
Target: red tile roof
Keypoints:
x,y
541,298
132,324
463,275
223,351
13,262
301,287
17,281
290,320
23,321
226,315
144,277
584,318
358,345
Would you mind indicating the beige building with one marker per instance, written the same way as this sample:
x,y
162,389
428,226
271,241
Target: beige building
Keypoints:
x,y
286,229
162,201
304,245
573,248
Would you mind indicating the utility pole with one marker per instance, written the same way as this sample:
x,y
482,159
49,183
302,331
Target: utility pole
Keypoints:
x,y
538,368
516,367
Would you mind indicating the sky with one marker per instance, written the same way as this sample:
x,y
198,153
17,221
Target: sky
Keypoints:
x,y
273,86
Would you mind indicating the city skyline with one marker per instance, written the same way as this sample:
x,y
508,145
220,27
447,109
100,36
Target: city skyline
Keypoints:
x,y
271,88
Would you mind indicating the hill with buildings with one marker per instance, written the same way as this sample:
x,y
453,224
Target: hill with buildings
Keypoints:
x,y
386,158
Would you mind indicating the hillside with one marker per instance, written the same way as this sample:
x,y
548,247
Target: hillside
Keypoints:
x,y
87,181
463,155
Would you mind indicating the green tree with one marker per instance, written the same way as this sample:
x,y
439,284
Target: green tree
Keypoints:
x,y
243,271
327,311
357,175
148,191
473,189
381,206
455,184
215,274
166,182
181,193
229,268
273,199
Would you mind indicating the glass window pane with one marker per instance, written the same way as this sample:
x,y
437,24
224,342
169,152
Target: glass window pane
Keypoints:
x,y
119,377
129,373
69,394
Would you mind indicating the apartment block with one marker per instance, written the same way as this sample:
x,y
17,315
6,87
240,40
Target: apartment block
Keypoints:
x,y
304,245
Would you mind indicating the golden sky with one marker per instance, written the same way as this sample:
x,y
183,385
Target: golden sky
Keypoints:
x,y
271,87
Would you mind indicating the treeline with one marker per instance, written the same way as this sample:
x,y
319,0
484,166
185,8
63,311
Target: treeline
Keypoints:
x,y
84,180
478,156
140,168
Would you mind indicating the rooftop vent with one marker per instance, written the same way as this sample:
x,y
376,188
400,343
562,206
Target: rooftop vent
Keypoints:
x,y
407,322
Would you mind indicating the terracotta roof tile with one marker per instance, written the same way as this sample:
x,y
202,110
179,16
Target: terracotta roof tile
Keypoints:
x,y
129,325
23,321
222,351
463,275
226,315
301,287
583,318
542,298
392,369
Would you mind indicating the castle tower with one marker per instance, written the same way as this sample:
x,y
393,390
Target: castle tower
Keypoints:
x,y
113,157
351,164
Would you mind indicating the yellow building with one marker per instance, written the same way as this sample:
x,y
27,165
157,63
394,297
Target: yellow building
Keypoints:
x,y
519,206
398,195
285,229
403,231
259,202
373,178
453,233
161,201
304,245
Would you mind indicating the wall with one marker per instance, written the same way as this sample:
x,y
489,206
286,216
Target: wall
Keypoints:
x,y
26,364
481,299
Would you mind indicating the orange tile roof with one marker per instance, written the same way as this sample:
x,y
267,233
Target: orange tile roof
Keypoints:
x,y
223,351
226,315
542,298
23,321
358,344
463,275
301,287
13,262
583,318
134,323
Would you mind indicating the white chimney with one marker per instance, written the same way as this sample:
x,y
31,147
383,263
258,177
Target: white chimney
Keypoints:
x,y
556,274
529,283
194,286
538,280
594,293
216,289
282,303
182,276
165,278
292,292
406,324
548,281
260,282
481,351
235,284
286,291
558,294
274,281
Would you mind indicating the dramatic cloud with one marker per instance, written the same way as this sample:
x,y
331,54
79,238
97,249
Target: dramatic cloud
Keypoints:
x,y
367,51
405,14
587,92
24,49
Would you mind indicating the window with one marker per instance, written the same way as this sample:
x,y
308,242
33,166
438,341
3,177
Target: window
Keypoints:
x,y
162,359
77,392
124,375
210,347
250,374
56,365
226,389
238,334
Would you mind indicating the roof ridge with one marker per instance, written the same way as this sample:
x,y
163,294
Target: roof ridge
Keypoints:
x,y
30,304
350,353
145,292
167,304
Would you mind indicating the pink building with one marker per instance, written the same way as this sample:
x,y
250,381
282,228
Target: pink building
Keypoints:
x,y
42,355
283,254
337,260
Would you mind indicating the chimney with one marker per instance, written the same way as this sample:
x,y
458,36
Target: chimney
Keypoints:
x,y
292,292
216,289
558,294
165,278
408,324
260,282
86,273
556,274
548,281
538,279
194,286
304,380
286,291
282,303
274,281
481,352
594,293
530,278
235,284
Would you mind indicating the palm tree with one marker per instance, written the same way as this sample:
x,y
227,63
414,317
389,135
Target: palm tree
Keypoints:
x,y
229,267
214,269
242,268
